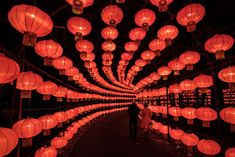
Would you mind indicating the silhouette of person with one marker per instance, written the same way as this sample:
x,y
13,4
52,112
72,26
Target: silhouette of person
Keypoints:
x,y
133,112
146,116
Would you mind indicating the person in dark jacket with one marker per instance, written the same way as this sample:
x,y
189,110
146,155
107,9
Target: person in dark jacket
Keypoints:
x,y
133,112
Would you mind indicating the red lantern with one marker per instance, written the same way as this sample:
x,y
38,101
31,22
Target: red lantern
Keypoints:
x,y
60,118
162,4
175,112
136,68
67,135
189,114
59,142
84,46
131,46
109,33
48,49
164,130
9,141
108,46
46,88
189,140
46,152
230,152
190,15
112,15
90,65
164,71
206,115
176,65
48,122
62,63
107,56
218,44
27,81
123,62
228,75
87,56
162,91
203,81
175,88
126,56
78,5
157,46
79,27
208,147
70,72
26,129
137,34
155,76
187,85
167,33
189,58
140,62
176,134
148,56
31,21
60,93
9,69
145,18
228,115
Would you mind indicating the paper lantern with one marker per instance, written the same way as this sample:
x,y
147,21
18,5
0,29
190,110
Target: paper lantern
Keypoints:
x,y
48,122
228,115
60,118
155,76
157,46
167,33
112,15
162,4
206,114
62,63
108,46
189,114
175,112
60,93
48,49
228,75
145,18
8,141
189,140
164,71
131,46
26,82
87,56
175,88
79,27
46,152
176,65
109,33
70,72
107,56
137,34
187,85
67,135
230,152
203,82
190,15
164,130
26,129
84,46
148,56
46,89
59,142
79,5
208,147
126,56
176,134
140,62
189,58
9,69
31,21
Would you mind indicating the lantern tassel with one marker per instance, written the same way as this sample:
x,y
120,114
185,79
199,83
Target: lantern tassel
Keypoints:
x,y
191,26
29,39
77,7
162,6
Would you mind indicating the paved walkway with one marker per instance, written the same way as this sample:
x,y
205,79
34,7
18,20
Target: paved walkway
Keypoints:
x,y
109,138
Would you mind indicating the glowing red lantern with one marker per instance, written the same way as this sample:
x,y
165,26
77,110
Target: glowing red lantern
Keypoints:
x,y
157,46
190,15
109,33
60,118
70,72
48,122
84,46
46,88
123,62
187,85
90,65
137,34
206,114
230,152
48,49
108,46
126,56
112,15
59,142
107,56
67,135
87,56
208,147
9,69
131,46
26,129
176,134
203,81
46,152
60,93
148,56
145,18
162,4
176,65
228,115
175,112
175,88
9,141
62,63
167,33
189,114
164,71
31,21
189,140
154,76
189,58
78,5
228,75
164,130
162,91
140,62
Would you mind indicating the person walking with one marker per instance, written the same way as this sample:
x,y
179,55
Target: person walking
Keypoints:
x,y
146,116
133,111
